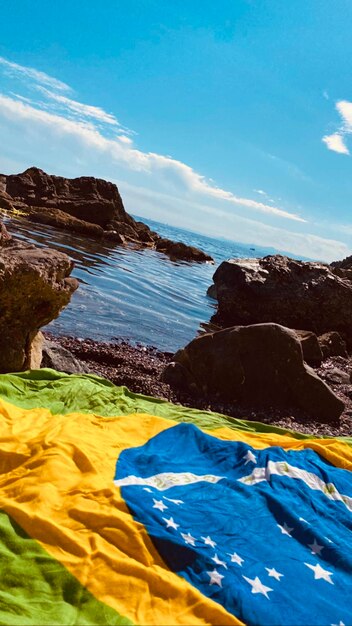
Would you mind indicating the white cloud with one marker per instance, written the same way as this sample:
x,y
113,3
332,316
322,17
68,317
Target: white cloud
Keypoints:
x,y
124,139
86,110
221,223
171,173
71,138
20,71
345,109
305,244
335,143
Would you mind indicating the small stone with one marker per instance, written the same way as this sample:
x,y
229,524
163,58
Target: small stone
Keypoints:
x,y
337,376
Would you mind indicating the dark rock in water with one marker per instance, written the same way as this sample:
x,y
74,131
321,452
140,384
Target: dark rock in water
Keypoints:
x,y
178,251
332,344
58,358
34,287
55,217
261,364
312,353
278,289
211,292
86,198
95,207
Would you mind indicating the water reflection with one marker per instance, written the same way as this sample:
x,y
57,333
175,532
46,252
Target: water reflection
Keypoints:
x,y
135,294
127,293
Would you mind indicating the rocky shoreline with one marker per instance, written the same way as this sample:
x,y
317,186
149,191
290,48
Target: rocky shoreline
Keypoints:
x,y
140,368
278,351
91,207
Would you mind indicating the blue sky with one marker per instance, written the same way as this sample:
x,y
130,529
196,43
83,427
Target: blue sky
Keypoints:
x,y
232,118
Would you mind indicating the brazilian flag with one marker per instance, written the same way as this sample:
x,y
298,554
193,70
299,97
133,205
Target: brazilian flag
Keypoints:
x,y
122,509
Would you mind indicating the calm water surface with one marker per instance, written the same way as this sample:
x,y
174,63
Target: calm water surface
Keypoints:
x,y
138,295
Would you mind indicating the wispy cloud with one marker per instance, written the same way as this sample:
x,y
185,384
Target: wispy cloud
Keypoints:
x,y
171,172
21,71
62,134
220,222
85,110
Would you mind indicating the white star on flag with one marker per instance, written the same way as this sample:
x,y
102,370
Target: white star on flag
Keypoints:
x,y
250,457
170,523
339,624
273,573
257,586
215,578
218,561
315,547
235,558
285,529
174,501
158,504
320,572
209,542
188,538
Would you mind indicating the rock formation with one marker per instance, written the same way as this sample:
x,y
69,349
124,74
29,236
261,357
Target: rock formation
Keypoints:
x,y
259,365
95,207
345,264
332,344
297,294
35,285
311,349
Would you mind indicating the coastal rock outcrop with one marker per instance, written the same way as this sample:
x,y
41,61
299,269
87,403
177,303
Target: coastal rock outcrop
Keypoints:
x,y
178,251
86,198
296,294
259,364
95,207
60,219
35,284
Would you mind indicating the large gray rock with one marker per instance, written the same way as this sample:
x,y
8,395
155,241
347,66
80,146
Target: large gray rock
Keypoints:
x,y
35,284
259,365
277,289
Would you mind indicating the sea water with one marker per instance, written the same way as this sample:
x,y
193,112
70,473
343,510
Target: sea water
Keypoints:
x,y
137,295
